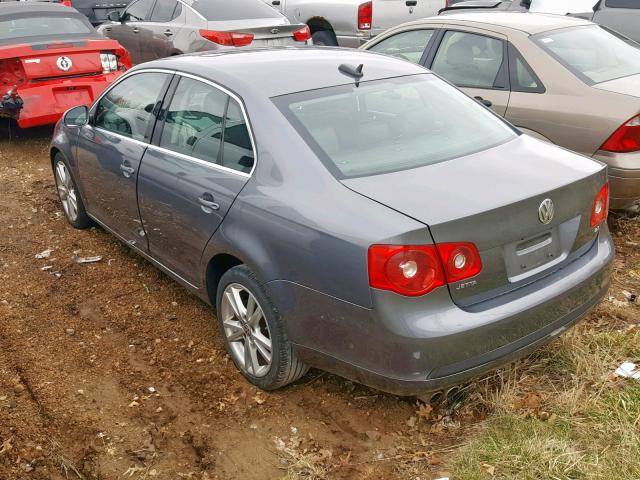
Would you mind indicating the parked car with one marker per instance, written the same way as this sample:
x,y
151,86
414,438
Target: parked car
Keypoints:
x,y
358,214
562,79
620,15
350,23
96,12
51,59
153,29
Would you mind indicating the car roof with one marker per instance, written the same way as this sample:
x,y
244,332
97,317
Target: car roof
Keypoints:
x,y
10,8
530,23
270,72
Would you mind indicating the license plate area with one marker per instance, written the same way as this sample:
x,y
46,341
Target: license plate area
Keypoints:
x,y
69,97
531,255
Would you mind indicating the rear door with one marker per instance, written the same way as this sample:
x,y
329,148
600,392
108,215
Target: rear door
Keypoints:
x,y
110,148
127,32
390,13
156,35
620,15
475,61
201,158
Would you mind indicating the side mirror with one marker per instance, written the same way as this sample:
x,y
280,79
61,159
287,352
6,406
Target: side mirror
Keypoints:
x,y
114,16
76,117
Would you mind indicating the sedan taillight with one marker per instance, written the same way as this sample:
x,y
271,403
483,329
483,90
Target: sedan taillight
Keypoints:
x,y
415,270
229,39
302,35
600,206
365,16
626,139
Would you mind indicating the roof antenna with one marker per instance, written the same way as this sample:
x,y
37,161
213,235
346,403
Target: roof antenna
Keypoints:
x,y
350,70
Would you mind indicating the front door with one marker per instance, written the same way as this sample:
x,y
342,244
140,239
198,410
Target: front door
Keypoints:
x,y
477,64
190,177
110,148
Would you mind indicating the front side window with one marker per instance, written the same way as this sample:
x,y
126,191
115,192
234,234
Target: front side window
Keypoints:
x,y
470,60
128,108
393,124
591,53
193,123
138,11
406,45
34,25
164,11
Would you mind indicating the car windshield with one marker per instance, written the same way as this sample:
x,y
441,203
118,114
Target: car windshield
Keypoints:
x,y
35,25
393,124
592,53
224,10
562,7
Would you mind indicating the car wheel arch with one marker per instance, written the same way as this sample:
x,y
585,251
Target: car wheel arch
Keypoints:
x,y
319,24
217,266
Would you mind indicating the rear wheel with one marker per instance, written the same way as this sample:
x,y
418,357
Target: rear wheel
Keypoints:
x,y
254,333
324,37
68,193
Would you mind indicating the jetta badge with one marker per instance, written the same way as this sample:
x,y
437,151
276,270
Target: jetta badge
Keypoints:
x,y
546,211
64,64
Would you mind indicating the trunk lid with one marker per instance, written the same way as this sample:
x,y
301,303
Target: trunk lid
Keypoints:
x,y
43,61
626,86
267,32
492,198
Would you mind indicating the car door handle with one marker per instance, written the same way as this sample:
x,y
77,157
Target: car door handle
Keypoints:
x,y
486,103
275,2
127,170
411,3
135,30
207,203
107,29
168,32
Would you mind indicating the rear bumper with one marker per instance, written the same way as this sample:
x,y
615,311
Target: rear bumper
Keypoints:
x,y
43,103
412,346
624,178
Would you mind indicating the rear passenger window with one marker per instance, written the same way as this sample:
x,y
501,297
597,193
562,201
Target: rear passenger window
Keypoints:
x,y
523,79
406,45
623,4
194,120
164,11
238,149
127,109
470,60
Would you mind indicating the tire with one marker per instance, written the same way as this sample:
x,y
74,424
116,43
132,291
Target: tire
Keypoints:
x,y
68,194
324,37
284,368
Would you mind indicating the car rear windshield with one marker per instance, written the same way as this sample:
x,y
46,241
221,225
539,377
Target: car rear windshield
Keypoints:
x,y
34,26
223,10
394,124
592,53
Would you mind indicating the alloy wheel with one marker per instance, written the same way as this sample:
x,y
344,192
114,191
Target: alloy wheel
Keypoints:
x,y
67,191
246,329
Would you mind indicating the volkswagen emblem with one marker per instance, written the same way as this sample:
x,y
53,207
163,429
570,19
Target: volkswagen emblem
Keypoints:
x,y
64,64
275,30
546,211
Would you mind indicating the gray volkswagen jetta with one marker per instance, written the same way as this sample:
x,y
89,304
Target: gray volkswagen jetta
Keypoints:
x,y
342,210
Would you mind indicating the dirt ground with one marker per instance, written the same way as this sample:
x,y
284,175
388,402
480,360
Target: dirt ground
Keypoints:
x,y
111,370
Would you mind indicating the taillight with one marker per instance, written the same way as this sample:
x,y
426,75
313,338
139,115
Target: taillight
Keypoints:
x,y
625,139
365,16
67,3
109,62
230,39
11,73
302,35
414,270
600,207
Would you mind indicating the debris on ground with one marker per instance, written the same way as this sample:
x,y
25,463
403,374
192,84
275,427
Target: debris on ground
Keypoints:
x,y
628,370
78,259
44,254
632,297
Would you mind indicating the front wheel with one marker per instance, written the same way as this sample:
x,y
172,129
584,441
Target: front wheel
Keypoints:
x,y
69,196
254,333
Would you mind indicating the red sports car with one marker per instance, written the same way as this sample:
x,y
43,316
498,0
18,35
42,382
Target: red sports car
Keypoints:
x,y
52,59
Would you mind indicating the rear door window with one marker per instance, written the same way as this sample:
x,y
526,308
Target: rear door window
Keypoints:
x,y
223,10
238,149
128,108
393,124
138,11
470,60
164,11
405,45
523,78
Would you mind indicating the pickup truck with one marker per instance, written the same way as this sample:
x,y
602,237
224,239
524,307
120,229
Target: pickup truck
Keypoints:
x,y
350,23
